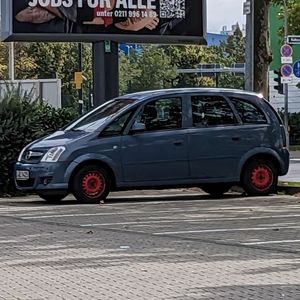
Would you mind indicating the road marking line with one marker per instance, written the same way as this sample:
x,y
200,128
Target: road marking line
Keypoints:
x,y
195,219
271,242
198,218
102,214
225,230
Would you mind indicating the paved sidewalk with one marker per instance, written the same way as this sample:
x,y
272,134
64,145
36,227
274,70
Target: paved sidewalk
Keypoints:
x,y
47,258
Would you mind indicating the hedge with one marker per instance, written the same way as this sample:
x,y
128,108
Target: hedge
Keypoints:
x,y
23,120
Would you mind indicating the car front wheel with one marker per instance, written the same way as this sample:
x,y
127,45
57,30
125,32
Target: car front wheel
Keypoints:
x,y
260,178
91,184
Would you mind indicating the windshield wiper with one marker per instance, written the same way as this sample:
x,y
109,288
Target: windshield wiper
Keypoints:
x,y
76,129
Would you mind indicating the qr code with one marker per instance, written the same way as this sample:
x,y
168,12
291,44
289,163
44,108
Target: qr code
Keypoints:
x,y
172,9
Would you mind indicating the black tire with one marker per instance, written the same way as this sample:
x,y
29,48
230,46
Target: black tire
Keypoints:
x,y
216,189
259,178
52,198
91,184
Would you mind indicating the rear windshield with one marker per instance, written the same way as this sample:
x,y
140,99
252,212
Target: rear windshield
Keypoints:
x,y
94,119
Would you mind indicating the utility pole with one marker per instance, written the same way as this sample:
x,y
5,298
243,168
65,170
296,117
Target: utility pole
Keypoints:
x,y
11,61
248,11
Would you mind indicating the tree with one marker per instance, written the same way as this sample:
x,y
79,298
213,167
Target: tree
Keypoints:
x,y
156,69
24,64
293,7
54,60
128,72
188,57
235,46
232,52
3,61
262,51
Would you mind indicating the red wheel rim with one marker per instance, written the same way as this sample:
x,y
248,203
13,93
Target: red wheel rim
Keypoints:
x,y
93,184
262,177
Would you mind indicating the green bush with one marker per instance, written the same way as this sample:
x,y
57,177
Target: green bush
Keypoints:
x,y
23,120
294,127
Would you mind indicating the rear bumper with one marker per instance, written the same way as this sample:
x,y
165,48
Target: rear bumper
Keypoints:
x,y
285,162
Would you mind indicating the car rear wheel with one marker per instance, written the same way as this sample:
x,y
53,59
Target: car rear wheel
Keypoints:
x,y
91,184
52,198
216,189
260,178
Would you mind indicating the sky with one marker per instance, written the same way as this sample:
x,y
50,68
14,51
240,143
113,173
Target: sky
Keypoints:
x,y
224,12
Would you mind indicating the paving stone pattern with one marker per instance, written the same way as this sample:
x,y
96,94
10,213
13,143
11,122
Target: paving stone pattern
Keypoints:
x,y
43,260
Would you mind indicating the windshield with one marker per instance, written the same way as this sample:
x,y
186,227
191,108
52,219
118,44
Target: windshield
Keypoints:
x,y
94,119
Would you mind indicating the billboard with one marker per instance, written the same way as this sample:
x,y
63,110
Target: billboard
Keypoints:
x,y
142,21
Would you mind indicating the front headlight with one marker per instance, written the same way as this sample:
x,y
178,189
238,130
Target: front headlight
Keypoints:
x,y
53,154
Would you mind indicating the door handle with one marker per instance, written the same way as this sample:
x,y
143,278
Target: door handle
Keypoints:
x,y
235,138
178,143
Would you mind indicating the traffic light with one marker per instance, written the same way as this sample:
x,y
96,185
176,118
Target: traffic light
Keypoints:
x,y
279,86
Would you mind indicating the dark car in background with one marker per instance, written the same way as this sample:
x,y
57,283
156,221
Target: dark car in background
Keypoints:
x,y
210,138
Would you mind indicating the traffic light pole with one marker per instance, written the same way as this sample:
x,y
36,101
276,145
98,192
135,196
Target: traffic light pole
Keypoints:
x,y
286,86
80,94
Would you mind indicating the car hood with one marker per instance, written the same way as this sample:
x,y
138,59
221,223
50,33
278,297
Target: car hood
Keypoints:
x,y
59,138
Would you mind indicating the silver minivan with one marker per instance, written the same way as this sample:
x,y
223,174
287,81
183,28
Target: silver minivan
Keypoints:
x,y
210,138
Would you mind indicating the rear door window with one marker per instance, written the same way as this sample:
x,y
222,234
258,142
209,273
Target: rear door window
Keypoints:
x,y
162,114
211,111
248,112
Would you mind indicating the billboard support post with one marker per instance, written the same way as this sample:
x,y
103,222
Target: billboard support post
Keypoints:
x,y
105,73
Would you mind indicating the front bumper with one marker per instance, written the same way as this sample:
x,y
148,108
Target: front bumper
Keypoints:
x,y
42,176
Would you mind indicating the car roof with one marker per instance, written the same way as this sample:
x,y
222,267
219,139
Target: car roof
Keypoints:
x,y
165,92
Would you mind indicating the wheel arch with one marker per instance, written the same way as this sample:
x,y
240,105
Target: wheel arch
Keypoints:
x,y
264,156
95,162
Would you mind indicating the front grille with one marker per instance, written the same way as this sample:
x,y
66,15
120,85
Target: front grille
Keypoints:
x,y
32,156
26,183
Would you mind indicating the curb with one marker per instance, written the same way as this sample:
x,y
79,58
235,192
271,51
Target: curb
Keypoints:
x,y
294,184
289,187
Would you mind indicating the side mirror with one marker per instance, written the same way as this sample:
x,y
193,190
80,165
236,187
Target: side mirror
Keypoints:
x,y
138,127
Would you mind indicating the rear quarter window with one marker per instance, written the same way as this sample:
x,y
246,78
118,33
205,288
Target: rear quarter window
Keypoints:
x,y
248,112
276,113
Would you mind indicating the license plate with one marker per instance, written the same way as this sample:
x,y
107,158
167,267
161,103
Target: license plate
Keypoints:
x,y
22,175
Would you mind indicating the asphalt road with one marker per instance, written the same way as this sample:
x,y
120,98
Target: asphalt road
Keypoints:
x,y
293,175
187,247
